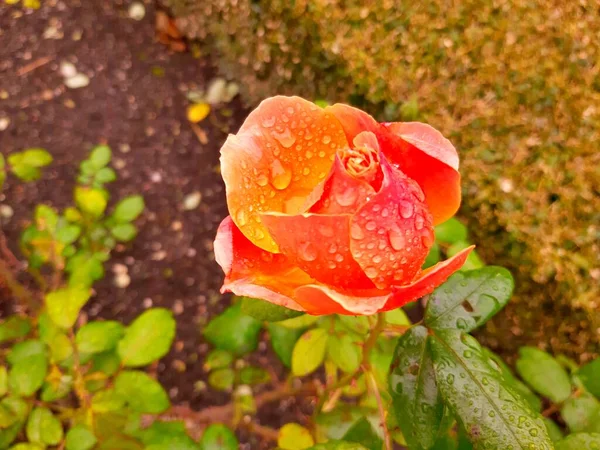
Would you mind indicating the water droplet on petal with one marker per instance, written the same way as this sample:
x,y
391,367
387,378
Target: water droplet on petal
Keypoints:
x,y
326,139
293,205
285,138
427,237
241,217
259,234
371,272
356,232
332,249
419,222
305,171
397,240
371,225
268,123
307,252
281,176
262,179
406,209
347,197
326,230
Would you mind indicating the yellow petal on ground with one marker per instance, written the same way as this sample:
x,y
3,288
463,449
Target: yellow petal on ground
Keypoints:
x,y
11,2
198,112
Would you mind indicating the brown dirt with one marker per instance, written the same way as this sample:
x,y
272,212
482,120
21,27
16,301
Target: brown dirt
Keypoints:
x,y
136,103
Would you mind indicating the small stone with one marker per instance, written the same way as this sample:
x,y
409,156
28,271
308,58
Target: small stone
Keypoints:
x,y
231,91
122,280
119,163
119,268
6,212
137,11
159,255
52,32
4,123
67,70
155,177
176,226
192,201
216,91
178,365
178,307
147,303
78,81
124,148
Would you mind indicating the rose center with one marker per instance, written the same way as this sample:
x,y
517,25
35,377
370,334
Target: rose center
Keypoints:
x,y
361,163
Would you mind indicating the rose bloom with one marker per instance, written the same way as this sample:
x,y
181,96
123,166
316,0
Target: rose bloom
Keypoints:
x,y
333,212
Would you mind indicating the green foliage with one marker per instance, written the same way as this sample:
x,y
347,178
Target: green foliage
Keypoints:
x,y
218,437
544,374
233,331
265,311
309,352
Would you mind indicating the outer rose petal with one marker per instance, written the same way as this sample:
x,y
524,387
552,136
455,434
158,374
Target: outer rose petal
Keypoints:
x,y
341,193
391,234
428,281
417,151
283,150
319,245
319,300
254,272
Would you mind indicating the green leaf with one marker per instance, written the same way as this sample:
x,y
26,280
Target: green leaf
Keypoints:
x,y
582,413
356,324
107,400
166,433
344,352
589,374
473,260
416,400
397,317
283,340
304,321
56,389
221,379
34,157
254,375
100,156
27,446
27,375
63,306
14,327
67,234
580,441
7,418
309,352
338,445
105,175
26,173
143,393
60,347
148,338
492,414
217,359
124,232
294,437
106,362
544,374
128,209
96,337
233,331
91,201
3,381
20,410
554,430
218,437
468,299
362,433
265,311
80,438
433,257
43,427
25,349
451,231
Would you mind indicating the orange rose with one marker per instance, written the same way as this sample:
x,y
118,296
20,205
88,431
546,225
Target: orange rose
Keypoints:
x,y
332,212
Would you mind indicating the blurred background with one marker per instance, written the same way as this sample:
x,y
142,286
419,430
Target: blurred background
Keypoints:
x,y
514,84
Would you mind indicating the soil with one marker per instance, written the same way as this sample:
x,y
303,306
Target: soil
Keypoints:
x,y
135,102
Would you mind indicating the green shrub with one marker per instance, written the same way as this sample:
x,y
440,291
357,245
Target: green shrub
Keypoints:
x,y
514,84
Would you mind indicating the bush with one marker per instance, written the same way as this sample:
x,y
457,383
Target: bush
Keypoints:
x,y
514,84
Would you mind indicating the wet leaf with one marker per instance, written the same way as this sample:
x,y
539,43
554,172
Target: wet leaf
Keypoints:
x,y
218,437
97,337
265,311
148,338
143,393
198,112
589,374
63,306
294,437
544,374
283,340
417,403
580,441
128,209
468,299
582,413
345,352
491,413
233,331
222,379
43,427
80,438
362,432
309,352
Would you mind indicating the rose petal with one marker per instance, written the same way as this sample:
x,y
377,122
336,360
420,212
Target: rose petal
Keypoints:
x,y
319,245
254,272
341,193
391,234
319,300
422,156
427,281
283,150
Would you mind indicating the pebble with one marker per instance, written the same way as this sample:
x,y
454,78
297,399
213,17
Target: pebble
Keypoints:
x,y
122,280
67,69
192,201
78,81
6,212
119,268
155,177
137,11
4,123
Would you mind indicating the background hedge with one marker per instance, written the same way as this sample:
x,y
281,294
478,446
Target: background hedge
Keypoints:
x,y
515,84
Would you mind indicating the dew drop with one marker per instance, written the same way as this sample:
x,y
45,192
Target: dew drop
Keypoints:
x,y
268,123
326,230
397,240
285,138
419,222
339,258
262,179
450,378
332,249
406,209
427,238
371,225
259,234
377,259
305,171
356,232
308,154
326,139
307,252
347,197
371,272
241,217
281,176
